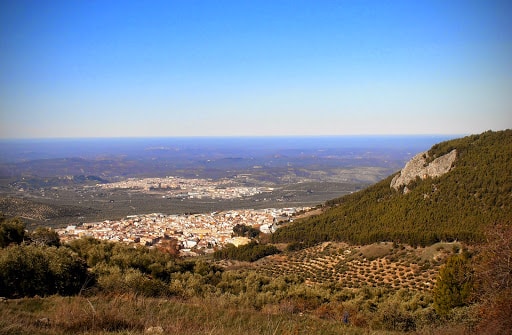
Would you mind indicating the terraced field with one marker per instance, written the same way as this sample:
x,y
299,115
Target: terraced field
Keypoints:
x,y
377,265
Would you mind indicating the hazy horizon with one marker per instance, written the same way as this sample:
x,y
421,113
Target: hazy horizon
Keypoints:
x,y
214,147
298,136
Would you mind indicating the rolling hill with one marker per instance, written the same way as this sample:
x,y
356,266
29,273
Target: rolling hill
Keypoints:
x,y
376,282
457,205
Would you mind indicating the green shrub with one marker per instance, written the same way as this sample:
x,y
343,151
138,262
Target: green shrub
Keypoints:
x,y
454,284
249,252
28,270
12,231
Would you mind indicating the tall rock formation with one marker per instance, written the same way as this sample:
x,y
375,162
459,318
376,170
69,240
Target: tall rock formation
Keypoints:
x,y
418,167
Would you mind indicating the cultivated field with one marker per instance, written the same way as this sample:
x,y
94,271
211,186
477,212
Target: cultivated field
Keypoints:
x,y
384,265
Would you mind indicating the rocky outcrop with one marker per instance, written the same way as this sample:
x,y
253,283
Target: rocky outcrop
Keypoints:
x,y
418,167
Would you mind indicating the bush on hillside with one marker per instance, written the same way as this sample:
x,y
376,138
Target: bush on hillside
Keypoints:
x,y
12,231
249,252
454,284
29,270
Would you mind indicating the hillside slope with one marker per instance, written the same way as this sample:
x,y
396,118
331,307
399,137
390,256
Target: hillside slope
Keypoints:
x,y
476,192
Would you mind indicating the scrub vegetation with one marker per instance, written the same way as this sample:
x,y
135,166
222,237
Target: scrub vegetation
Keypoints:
x,y
319,279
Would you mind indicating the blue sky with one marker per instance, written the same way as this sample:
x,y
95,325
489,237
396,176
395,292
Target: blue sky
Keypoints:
x,y
229,68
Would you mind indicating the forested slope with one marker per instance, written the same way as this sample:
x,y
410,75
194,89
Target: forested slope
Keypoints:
x,y
458,205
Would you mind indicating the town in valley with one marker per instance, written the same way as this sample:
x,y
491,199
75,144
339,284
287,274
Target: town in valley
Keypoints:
x,y
194,233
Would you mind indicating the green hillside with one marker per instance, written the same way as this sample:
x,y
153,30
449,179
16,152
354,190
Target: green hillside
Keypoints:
x,y
91,286
456,206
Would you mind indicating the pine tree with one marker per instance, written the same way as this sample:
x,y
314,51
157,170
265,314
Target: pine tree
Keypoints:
x,y
454,284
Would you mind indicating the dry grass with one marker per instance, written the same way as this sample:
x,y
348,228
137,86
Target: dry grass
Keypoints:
x,y
134,315
380,265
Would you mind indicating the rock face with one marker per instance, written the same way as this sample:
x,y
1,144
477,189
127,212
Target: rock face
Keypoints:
x,y
418,167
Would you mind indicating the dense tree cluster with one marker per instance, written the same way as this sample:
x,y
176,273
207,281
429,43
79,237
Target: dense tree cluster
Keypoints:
x,y
245,231
34,264
28,270
45,236
455,206
249,252
12,231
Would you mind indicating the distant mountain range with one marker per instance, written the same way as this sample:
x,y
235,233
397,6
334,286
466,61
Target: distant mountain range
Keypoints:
x,y
474,192
205,157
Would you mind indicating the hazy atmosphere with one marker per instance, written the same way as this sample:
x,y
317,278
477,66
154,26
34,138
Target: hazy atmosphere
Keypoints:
x,y
255,68
255,167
